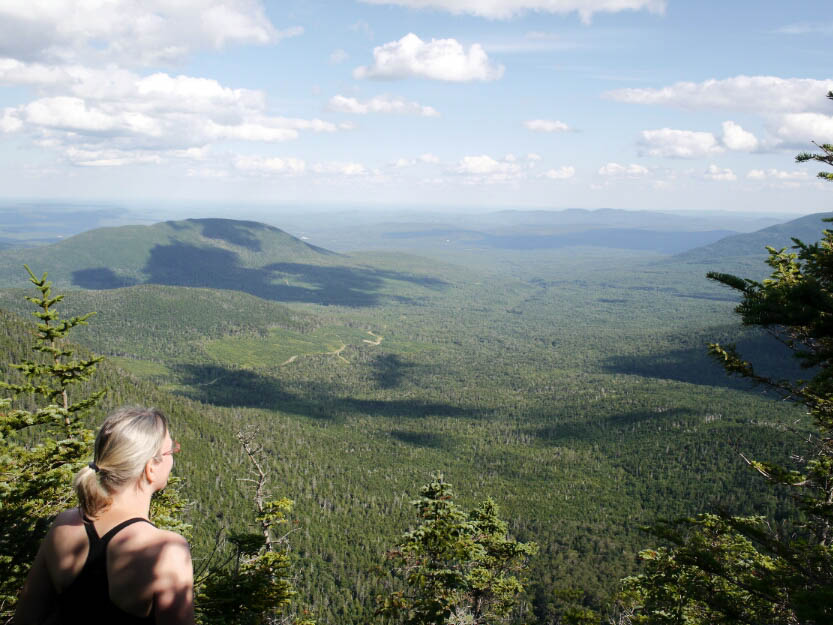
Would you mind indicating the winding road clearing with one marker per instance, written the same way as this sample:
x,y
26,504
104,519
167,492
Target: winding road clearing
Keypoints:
x,y
376,336
338,353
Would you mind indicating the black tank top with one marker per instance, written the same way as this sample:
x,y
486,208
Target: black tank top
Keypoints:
x,y
87,599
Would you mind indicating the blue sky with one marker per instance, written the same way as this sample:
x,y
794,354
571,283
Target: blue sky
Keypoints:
x,y
636,104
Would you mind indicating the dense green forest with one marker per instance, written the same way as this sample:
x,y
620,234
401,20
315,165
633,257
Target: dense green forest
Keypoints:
x,y
570,385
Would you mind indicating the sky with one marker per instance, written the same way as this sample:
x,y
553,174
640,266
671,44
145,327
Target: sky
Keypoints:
x,y
633,104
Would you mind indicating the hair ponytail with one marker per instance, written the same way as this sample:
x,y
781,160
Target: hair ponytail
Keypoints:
x,y
127,440
92,497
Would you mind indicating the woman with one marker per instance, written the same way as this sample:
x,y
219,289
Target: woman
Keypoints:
x,y
104,562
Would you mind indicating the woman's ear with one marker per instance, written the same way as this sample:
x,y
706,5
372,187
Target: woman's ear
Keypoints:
x,y
150,470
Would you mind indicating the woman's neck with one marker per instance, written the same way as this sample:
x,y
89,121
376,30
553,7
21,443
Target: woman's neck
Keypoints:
x,y
127,504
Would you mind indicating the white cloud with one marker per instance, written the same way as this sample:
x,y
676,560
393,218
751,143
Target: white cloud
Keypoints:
x,y
110,158
736,138
483,169
438,59
425,159
262,165
761,94
338,56
801,128
147,32
484,164
504,9
533,157
195,154
546,125
776,174
380,104
101,109
794,110
340,168
562,173
207,172
10,122
716,173
631,171
678,143
68,113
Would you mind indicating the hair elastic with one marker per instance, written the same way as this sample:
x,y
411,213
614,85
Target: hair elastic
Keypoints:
x,y
94,467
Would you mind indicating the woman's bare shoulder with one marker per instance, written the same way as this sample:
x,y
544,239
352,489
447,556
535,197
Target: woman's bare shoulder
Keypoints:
x,y
162,560
164,548
71,516
174,552
67,529
152,535
65,548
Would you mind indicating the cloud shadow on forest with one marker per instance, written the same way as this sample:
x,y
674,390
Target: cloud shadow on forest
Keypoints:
x,y
222,386
234,232
600,429
432,440
695,366
388,370
101,278
180,264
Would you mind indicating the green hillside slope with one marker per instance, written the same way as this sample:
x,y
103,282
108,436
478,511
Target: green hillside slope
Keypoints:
x,y
242,256
807,229
171,252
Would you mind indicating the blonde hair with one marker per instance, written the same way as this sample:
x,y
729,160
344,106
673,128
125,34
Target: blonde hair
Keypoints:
x,y
127,440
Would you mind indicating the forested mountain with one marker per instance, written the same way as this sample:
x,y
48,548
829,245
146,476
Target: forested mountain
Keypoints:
x,y
194,252
807,229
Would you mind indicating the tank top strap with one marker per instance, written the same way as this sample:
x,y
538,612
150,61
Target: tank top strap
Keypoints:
x,y
109,535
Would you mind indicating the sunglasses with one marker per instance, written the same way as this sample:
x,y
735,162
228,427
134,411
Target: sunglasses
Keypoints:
x,y
174,449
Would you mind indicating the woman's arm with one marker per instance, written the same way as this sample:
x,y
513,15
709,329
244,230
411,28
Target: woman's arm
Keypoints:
x,y
173,598
38,598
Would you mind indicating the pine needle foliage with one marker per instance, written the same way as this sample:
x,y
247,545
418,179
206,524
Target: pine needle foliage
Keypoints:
x,y
252,584
458,568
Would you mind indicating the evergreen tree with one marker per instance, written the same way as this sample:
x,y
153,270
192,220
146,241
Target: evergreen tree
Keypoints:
x,y
724,569
458,568
253,585
43,440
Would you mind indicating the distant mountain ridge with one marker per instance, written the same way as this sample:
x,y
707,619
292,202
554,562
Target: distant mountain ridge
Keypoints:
x,y
126,255
226,254
620,218
808,229
660,241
